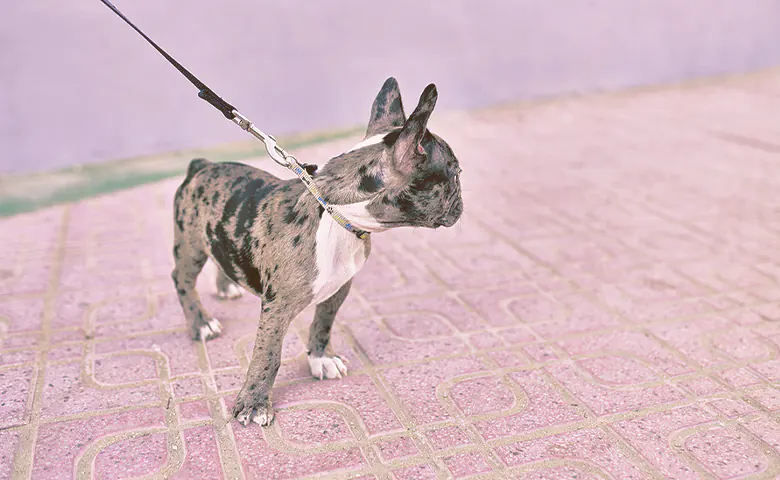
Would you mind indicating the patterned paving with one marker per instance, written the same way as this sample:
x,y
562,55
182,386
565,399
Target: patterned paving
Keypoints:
x,y
609,307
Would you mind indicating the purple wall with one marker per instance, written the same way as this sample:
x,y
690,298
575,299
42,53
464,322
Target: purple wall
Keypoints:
x,y
79,86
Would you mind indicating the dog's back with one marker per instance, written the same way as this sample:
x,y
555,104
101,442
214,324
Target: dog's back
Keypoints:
x,y
209,189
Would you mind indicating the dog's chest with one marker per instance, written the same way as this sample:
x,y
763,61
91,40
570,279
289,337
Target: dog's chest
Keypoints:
x,y
339,255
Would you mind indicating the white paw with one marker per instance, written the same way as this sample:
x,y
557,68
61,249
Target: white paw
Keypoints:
x,y
327,367
264,418
212,330
231,293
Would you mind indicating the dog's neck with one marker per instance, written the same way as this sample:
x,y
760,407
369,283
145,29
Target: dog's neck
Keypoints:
x,y
355,176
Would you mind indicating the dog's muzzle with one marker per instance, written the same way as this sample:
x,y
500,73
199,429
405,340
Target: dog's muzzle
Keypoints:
x,y
452,215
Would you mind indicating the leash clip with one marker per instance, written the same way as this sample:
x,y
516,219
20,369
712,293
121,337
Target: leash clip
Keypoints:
x,y
276,152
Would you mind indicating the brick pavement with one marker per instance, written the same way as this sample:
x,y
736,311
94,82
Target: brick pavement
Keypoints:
x,y
608,307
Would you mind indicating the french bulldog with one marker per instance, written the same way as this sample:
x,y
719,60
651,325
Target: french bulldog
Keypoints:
x,y
272,238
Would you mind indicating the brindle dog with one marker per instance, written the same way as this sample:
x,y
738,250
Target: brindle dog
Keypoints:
x,y
271,237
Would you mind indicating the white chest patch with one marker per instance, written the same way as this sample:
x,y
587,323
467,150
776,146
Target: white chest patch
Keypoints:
x,y
340,255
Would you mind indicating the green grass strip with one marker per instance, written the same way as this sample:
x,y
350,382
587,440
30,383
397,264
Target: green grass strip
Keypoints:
x,y
29,192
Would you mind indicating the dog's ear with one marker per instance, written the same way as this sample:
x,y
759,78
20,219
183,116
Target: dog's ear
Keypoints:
x,y
387,111
408,150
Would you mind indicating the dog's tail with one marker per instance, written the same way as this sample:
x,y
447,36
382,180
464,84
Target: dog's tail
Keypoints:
x,y
196,165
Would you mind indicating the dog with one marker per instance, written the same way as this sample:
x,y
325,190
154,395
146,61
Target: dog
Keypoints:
x,y
272,237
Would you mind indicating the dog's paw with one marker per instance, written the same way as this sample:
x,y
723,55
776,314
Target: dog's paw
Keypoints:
x,y
330,367
264,417
231,292
210,330
248,410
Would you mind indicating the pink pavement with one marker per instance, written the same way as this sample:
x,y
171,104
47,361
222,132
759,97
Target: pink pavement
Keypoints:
x,y
608,307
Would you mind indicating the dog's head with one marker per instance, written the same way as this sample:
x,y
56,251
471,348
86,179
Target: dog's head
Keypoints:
x,y
404,174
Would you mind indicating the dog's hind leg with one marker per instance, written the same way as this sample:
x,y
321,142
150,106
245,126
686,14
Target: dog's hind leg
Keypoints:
x,y
189,263
227,289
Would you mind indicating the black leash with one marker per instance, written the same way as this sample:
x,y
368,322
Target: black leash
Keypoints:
x,y
204,92
277,153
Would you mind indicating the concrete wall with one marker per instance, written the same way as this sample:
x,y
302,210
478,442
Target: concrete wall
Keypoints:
x,y
79,86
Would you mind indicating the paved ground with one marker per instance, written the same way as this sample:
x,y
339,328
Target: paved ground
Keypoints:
x,y
609,307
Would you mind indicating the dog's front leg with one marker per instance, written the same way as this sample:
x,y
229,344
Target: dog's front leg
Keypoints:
x,y
254,399
323,362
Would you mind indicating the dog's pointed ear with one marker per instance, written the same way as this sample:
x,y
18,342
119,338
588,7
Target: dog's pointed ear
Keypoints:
x,y
387,111
408,150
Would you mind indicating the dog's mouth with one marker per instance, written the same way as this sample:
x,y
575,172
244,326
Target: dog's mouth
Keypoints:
x,y
447,221
453,213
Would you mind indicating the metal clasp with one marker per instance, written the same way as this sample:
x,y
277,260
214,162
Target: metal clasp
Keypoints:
x,y
276,152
